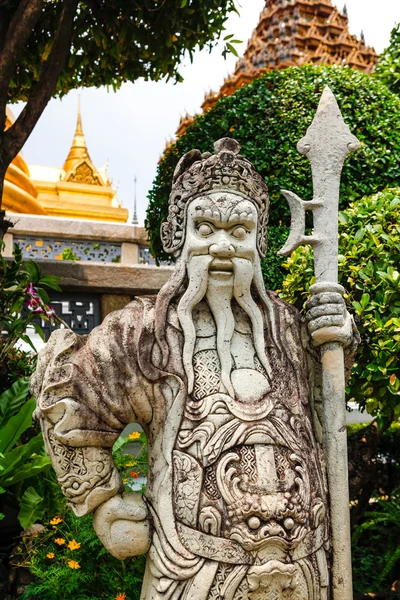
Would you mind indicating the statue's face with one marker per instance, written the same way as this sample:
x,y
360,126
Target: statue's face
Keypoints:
x,y
220,253
224,226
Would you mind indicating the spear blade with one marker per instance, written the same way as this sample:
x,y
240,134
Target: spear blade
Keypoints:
x,y
327,143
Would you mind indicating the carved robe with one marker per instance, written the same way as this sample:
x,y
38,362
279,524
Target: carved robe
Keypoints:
x,y
236,490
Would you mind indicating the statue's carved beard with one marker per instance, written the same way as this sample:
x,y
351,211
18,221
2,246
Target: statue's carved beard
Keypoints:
x,y
219,295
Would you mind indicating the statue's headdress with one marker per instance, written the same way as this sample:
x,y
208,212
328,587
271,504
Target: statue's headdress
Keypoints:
x,y
198,174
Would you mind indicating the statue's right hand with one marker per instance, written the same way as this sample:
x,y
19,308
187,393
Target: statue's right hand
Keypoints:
x,y
122,524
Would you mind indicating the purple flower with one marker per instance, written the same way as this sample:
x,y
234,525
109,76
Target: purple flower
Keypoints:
x,y
31,291
34,305
50,312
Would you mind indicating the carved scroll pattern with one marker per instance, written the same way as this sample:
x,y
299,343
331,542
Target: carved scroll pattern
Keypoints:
x,y
79,470
188,474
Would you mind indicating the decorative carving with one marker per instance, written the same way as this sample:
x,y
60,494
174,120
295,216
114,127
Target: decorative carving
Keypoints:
x,y
84,173
220,374
199,174
188,481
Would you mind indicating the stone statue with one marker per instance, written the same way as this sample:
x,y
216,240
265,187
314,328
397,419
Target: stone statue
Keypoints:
x,y
224,378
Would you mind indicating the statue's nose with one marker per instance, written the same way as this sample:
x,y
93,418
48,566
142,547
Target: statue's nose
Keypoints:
x,y
222,250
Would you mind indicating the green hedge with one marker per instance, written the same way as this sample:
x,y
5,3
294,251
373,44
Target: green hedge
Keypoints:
x,y
268,117
388,67
369,247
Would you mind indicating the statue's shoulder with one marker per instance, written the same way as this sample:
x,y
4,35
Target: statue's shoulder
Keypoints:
x,y
284,308
133,312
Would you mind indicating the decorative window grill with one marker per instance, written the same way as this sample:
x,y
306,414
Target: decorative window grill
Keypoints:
x,y
66,249
145,258
81,312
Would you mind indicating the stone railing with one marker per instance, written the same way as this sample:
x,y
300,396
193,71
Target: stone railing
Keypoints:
x,y
109,261
42,238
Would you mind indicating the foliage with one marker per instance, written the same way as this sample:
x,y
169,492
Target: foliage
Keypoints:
x,y
69,254
272,265
270,115
23,462
388,67
92,572
69,561
22,284
22,454
115,41
369,248
376,548
133,464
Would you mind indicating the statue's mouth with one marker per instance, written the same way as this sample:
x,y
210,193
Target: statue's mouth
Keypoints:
x,y
221,266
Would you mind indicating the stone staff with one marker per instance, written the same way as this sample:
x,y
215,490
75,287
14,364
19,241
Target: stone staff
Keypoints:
x,y
327,143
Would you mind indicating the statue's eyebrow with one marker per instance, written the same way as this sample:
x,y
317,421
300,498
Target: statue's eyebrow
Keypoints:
x,y
222,220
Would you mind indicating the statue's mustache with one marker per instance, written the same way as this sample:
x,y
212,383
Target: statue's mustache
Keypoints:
x,y
219,294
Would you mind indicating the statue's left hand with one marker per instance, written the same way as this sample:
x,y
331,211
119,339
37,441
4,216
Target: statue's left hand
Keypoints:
x,y
328,319
122,524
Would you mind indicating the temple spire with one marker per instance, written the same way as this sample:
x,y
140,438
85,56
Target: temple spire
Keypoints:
x,y
134,218
78,151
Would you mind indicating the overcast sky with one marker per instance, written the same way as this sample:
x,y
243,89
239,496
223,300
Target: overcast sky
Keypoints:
x,y
129,129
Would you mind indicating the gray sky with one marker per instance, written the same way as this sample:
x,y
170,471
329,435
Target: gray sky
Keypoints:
x,y
129,129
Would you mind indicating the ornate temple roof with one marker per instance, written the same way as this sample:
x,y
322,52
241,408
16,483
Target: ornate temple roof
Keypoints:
x,y
293,33
78,190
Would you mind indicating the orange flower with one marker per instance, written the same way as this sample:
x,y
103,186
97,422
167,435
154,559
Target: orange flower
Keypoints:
x,y
55,521
135,435
59,541
121,597
73,564
74,545
134,475
50,555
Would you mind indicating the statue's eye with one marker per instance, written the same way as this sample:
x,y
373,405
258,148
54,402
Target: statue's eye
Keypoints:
x,y
239,233
204,229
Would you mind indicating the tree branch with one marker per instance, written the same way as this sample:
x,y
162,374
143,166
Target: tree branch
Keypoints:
x,y
5,20
18,32
16,136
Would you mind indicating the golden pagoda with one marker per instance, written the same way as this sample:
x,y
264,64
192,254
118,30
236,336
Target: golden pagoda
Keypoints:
x,y
293,33
78,190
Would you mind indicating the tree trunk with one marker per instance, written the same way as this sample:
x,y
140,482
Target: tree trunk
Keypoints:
x,y
5,224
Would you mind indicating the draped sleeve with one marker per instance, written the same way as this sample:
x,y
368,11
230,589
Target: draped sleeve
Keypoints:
x,y
87,389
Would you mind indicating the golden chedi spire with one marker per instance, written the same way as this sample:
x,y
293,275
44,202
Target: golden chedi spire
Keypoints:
x,y
78,167
78,151
79,190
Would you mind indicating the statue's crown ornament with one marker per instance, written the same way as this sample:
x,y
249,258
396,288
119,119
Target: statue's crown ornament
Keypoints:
x,y
198,174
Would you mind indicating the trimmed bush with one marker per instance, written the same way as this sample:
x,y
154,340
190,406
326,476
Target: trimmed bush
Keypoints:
x,y
388,67
268,117
369,246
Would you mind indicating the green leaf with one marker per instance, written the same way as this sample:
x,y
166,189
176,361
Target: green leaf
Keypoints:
x,y
15,462
51,281
34,271
13,398
11,431
120,444
232,49
32,508
38,330
31,469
